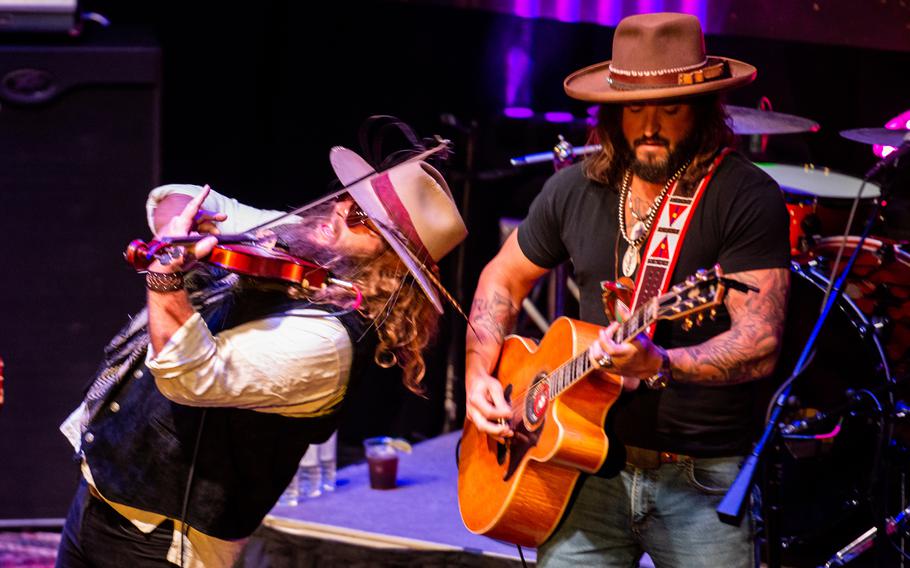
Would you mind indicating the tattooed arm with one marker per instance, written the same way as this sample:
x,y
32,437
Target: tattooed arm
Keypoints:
x,y
503,284
749,349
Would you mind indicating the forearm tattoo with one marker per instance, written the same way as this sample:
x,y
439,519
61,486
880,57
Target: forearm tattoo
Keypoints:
x,y
493,316
749,349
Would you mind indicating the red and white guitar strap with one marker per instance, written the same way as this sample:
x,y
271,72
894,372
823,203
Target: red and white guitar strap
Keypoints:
x,y
662,249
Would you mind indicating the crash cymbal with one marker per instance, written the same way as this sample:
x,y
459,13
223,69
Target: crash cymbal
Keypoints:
x,y
817,181
881,136
745,120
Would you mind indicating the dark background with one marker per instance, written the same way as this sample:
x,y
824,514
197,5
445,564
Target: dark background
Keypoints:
x,y
249,98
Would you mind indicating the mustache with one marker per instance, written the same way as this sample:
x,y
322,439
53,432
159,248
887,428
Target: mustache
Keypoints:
x,y
653,140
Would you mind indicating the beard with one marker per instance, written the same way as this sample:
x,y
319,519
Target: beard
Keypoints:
x,y
659,170
299,240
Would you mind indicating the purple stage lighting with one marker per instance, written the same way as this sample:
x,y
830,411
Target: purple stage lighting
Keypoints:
x,y
558,117
518,112
899,122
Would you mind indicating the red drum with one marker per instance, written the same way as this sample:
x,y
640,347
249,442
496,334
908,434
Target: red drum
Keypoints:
x,y
826,467
802,213
879,284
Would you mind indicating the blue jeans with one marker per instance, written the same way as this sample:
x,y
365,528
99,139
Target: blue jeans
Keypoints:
x,y
95,535
667,512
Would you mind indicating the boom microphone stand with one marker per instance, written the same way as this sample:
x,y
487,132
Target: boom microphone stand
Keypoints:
x,y
732,507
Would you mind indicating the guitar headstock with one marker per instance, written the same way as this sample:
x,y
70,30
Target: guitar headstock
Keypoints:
x,y
701,291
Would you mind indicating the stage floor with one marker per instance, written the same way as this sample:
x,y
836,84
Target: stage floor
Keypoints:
x,y
420,514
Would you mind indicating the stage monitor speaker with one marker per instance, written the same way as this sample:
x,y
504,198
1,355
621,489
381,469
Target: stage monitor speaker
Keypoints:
x,y
79,150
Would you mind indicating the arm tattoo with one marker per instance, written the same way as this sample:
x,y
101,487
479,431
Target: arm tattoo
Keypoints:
x,y
494,315
749,349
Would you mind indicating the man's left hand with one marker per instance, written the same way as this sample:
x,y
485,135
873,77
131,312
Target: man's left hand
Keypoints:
x,y
181,225
636,359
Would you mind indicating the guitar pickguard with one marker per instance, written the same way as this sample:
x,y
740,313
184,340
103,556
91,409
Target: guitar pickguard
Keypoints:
x,y
519,444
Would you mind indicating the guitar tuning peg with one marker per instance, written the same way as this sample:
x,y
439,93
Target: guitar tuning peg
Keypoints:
x,y
712,314
700,318
687,324
690,279
702,274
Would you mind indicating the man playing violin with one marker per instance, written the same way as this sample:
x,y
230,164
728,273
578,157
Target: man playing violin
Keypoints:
x,y
207,400
685,417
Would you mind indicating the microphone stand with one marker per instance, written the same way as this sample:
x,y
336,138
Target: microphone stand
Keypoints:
x,y
732,507
456,349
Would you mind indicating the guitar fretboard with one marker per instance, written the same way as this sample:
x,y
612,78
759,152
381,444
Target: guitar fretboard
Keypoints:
x,y
579,366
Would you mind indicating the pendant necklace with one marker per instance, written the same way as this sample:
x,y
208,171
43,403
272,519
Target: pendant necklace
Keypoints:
x,y
642,227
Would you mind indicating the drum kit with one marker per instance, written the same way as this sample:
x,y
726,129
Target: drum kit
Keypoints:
x,y
843,436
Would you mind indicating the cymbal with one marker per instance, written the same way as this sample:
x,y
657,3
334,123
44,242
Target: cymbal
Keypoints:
x,y
817,181
745,120
882,136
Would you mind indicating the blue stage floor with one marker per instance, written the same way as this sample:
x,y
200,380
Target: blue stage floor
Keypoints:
x,y
422,513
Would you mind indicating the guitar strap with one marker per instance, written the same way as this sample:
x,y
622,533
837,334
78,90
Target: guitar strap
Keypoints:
x,y
662,249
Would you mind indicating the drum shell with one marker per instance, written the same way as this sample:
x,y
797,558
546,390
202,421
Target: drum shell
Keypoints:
x,y
823,481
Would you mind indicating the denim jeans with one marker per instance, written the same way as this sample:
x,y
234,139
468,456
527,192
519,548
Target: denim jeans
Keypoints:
x,y
668,512
96,535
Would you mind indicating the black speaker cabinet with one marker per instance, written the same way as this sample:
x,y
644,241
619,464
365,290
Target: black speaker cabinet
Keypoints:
x,y
79,150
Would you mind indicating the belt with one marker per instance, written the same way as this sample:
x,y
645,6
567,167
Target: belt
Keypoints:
x,y
650,459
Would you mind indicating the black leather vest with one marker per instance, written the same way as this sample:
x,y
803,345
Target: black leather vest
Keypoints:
x,y
143,449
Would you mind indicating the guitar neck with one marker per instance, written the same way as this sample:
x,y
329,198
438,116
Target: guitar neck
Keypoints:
x,y
579,366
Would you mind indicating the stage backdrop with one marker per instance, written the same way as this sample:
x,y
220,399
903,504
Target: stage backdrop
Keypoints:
x,y
251,101
79,138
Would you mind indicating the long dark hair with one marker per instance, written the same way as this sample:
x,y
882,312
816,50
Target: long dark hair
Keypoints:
x,y
711,134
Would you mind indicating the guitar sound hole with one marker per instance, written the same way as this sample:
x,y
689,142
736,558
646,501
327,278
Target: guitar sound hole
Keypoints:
x,y
537,401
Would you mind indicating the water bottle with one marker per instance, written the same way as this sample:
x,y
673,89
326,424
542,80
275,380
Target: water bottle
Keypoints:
x,y
291,495
327,462
308,474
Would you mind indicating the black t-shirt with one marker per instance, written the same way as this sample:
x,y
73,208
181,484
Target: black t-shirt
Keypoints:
x,y
741,223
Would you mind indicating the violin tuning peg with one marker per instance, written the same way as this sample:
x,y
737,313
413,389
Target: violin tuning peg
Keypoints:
x,y
687,324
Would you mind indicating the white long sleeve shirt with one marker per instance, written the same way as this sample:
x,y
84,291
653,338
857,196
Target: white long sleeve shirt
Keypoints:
x,y
290,365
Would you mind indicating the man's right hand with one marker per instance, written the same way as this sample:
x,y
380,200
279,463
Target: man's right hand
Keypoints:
x,y
487,407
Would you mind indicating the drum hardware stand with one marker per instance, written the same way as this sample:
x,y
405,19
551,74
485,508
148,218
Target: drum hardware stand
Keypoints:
x,y
732,507
456,350
865,541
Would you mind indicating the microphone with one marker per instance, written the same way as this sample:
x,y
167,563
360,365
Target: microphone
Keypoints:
x,y
891,159
541,157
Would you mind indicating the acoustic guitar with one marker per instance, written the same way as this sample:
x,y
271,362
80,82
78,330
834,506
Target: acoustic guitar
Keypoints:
x,y
519,490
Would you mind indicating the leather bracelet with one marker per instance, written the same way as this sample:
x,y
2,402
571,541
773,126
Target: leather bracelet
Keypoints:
x,y
663,377
164,281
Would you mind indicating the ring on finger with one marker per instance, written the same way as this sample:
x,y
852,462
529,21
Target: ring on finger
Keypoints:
x,y
605,361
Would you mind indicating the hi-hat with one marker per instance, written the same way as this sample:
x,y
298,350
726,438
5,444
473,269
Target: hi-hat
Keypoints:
x,y
881,136
745,120
817,181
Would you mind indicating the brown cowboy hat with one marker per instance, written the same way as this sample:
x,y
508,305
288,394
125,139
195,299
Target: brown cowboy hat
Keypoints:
x,y
655,57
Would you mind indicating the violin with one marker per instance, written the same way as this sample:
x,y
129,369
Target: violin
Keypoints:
x,y
243,254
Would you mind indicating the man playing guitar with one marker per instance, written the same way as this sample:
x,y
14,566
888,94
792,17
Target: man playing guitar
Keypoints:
x,y
662,128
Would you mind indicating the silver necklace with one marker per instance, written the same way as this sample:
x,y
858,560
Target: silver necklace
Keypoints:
x,y
642,227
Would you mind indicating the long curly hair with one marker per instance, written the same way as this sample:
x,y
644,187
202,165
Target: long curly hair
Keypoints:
x,y
710,135
404,319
